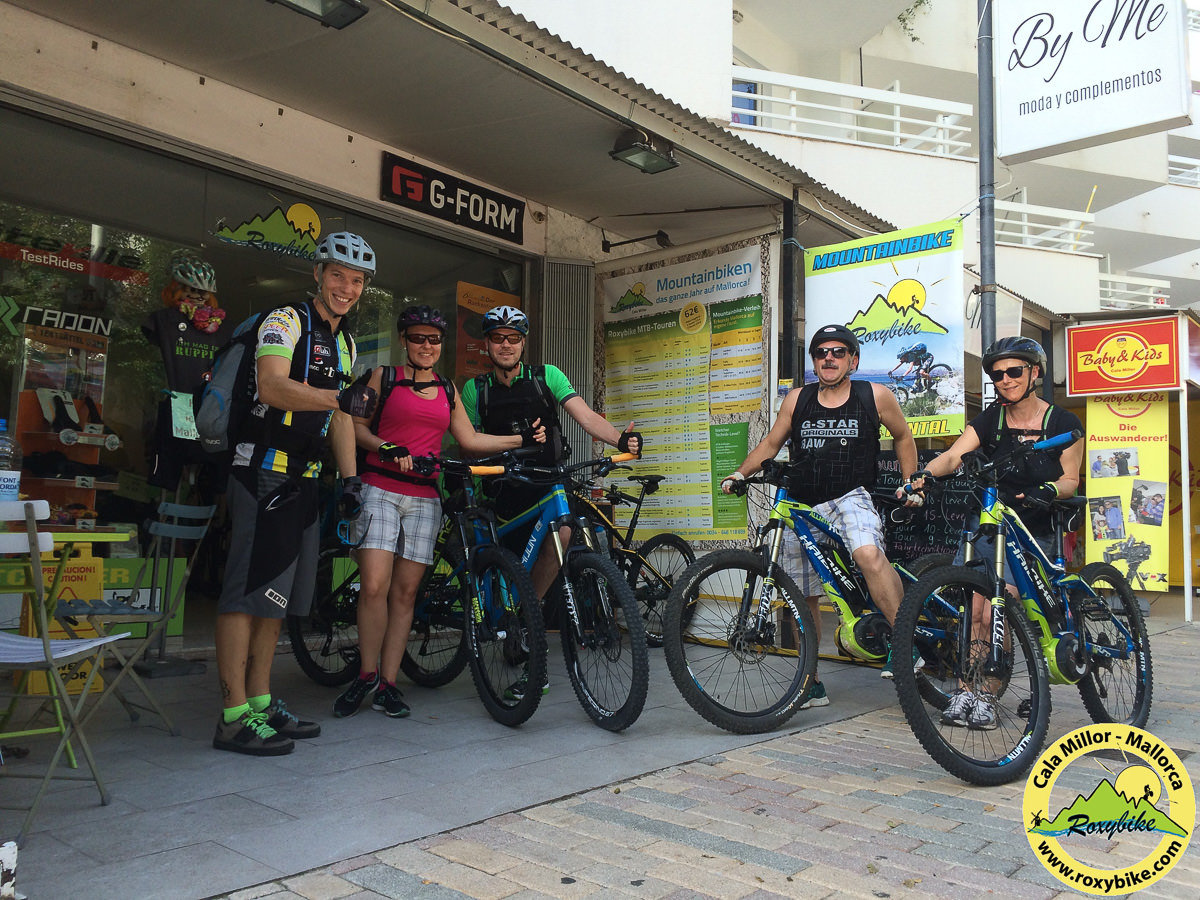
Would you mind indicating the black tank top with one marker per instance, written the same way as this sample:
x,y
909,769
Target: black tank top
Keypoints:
x,y
845,441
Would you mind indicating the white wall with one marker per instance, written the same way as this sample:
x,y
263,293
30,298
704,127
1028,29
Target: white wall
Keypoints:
x,y
679,48
1061,282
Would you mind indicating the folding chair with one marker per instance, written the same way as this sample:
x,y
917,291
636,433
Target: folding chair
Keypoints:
x,y
45,654
176,522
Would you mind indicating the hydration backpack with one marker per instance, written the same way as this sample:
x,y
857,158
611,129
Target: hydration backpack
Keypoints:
x,y
222,406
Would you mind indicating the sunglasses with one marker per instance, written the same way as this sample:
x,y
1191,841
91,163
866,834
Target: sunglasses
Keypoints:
x,y
434,339
835,352
501,338
1013,372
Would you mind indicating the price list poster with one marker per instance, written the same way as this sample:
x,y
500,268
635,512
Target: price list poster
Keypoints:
x,y
682,344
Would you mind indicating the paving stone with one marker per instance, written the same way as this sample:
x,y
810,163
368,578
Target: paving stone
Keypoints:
x,y
476,856
975,860
320,886
472,882
395,883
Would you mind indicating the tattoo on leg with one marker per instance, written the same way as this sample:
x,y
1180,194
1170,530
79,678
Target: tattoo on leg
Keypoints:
x,y
225,692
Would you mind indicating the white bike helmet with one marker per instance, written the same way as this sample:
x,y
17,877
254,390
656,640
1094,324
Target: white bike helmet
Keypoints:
x,y
347,249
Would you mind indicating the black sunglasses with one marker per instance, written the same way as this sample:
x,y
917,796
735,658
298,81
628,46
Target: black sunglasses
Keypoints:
x,y
434,339
1013,372
501,338
835,352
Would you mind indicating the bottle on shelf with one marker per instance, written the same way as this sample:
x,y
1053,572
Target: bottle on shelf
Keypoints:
x,y
10,464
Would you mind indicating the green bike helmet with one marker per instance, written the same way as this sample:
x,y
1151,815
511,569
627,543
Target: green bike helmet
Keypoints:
x,y
186,268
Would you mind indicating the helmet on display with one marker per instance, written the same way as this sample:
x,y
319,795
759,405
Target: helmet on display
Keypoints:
x,y
834,333
505,317
194,272
421,315
347,249
1018,347
914,350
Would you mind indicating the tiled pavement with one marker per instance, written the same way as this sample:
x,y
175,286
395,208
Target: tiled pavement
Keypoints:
x,y
852,808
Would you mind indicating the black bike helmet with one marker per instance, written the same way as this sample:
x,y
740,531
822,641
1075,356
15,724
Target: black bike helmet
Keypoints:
x,y
1018,347
834,333
421,315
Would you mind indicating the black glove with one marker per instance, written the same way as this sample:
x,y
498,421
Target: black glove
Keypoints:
x,y
623,442
527,436
1041,496
389,452
358,400
350,505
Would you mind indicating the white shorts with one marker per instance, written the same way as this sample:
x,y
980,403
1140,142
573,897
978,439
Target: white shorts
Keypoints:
x,y
404,525
855,519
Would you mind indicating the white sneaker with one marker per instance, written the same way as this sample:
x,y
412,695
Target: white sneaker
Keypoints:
x,y
982,716
961,703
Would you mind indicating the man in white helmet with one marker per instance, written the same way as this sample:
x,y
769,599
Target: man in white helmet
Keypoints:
x,y
303,358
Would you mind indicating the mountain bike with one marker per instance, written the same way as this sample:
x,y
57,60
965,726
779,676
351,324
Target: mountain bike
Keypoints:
x,y
918,383
1084,629
603,637
652,567
476,602
739,638
325,642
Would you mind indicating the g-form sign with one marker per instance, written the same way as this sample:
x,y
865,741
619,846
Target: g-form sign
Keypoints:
x,y
451,198
1074,75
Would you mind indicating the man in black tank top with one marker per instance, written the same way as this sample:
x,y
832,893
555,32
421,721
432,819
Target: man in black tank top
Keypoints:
x,y
839,421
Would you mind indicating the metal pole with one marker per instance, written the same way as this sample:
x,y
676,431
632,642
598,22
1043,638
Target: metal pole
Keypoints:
x,y
791,295
987,181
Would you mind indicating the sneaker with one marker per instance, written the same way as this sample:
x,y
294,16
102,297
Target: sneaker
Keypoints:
x,y
388,699
982,716
351,699
517,690
252,735
287,723
917,664
955,713
816,696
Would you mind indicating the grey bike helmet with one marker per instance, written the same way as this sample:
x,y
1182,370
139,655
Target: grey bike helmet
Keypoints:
x,y
834,333
194,272
347,249
421,315
505,317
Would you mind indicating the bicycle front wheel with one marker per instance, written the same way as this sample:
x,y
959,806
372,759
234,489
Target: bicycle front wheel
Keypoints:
x,y
967,745
325,642
1115,689
741,650
604,643
658,564
437,645
506,637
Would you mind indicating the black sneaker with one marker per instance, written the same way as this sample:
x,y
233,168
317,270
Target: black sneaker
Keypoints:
x,y
252,735
388,699
351,699
287,723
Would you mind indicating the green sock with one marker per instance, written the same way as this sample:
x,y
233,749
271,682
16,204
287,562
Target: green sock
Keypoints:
x,y
233,713
259,703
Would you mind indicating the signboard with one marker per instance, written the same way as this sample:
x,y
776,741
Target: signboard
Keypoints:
x,y
1121,357
473,300
1074,75
451,198
900,293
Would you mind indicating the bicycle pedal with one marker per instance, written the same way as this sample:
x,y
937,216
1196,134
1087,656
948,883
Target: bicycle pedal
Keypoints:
x,y
1096,609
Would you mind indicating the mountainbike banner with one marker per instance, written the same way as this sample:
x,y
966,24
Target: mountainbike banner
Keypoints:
x,y
1127,465
901,294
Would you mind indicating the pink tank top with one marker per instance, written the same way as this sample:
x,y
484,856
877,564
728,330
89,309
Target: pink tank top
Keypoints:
x,y
416,421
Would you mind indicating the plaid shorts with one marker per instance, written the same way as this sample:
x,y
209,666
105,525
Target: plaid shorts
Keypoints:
x,y
853,516
398,523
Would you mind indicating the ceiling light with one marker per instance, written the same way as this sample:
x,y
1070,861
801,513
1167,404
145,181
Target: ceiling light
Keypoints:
x,y
643,151
332,13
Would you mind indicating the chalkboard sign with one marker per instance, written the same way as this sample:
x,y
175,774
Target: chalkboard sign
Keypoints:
x,y
936,527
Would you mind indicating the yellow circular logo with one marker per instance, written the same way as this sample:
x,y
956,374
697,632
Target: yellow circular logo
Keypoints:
x,y
1120,821
1124,356
692,317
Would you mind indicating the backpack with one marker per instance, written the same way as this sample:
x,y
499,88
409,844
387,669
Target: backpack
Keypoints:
x,y
554,435
222,405
388,381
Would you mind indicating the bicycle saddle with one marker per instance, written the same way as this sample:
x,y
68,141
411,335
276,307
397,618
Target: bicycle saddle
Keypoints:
x,y
650,481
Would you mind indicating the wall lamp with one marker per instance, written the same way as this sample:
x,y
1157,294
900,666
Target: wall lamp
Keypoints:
x,y
643,151
660,237
331,13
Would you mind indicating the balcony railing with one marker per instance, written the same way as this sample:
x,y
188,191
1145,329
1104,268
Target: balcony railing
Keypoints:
x,y
1043,227
1183,170
808,107
1132,292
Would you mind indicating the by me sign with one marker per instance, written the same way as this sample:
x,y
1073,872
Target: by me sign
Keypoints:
x,y
451,198
1087,72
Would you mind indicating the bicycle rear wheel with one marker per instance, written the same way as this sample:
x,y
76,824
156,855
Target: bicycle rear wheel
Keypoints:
x,y
658,564
738,674
506,637
604,643
1114,689
930,619
936,374
437,646
325,642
